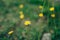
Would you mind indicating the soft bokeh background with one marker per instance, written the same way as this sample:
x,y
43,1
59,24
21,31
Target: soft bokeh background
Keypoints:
x,y
10,19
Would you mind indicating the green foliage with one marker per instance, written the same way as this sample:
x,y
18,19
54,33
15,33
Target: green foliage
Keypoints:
x,y
9,19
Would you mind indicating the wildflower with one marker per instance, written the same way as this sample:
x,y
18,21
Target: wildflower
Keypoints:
x,y
21,6
22,16
10,32
53,15
41,15
52,9
27,23
21,12
41,7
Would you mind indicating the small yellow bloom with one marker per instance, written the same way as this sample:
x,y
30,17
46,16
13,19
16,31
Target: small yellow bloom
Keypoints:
x,y
21,6
41,7
41,15
21,16
27,23
53,15
21,12
52,9
10,32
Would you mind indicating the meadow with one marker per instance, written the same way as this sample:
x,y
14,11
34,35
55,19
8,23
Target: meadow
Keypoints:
x,y
27,19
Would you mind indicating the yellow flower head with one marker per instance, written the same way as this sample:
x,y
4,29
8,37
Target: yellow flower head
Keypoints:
x,y
21,12
41,7
27,23
52,9
41,15
53,15
21,6
21,16
10,32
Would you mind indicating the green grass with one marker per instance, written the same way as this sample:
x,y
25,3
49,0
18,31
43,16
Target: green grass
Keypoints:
x,y
9,20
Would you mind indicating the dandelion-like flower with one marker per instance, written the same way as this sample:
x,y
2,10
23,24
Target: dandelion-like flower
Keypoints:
x,y
41,7
41,15
53,15
21,6
27,23
22,16
52,9
10,32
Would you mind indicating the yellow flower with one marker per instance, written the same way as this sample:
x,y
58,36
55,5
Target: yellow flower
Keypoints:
x,y
53,15
41,7
21,16
21,6
27,23
21,12
41,15
52,9
10,32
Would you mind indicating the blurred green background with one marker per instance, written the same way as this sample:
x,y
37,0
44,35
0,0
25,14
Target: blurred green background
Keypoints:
x,y
10,20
